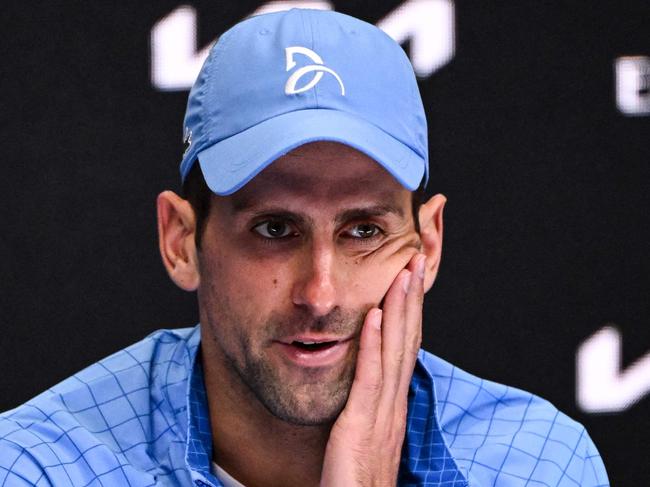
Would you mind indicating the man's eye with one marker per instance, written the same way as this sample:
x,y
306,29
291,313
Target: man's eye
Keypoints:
x,y
274,229
363,230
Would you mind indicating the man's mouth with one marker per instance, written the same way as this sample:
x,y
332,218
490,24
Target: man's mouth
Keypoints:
x,y
314,346
314,351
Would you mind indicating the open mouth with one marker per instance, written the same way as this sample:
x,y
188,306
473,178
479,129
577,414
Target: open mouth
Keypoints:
x,y
313,346
311,353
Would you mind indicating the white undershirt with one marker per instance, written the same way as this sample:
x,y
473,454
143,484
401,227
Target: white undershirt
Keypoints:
x,y
224,477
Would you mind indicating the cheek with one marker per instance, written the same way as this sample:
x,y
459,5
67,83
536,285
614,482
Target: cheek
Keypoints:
x,y
247,289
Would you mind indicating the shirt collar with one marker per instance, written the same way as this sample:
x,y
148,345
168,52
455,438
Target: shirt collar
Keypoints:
x,y
425,453
198,445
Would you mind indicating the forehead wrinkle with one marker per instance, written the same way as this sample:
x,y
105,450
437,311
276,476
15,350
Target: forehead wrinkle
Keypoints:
x,y
308,182
283,185
245,200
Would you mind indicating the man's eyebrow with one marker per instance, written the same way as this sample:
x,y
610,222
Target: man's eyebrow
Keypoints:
x,y
367,212
282,214
361,213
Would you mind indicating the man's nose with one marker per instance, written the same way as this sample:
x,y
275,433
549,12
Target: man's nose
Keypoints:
x,y
315,287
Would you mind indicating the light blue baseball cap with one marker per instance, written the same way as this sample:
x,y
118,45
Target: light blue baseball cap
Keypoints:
x,y
277,81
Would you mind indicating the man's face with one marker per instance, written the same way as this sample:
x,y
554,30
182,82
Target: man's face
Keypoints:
x,y
299,255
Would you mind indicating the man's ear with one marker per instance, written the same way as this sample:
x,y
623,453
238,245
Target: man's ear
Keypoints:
x,y
430,217
176,229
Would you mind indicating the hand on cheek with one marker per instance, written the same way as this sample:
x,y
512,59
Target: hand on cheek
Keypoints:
x,y
388,262
366,440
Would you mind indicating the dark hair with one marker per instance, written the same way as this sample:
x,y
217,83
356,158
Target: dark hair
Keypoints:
x,y
198,194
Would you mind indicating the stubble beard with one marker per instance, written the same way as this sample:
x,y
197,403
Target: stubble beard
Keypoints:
x,y
321,394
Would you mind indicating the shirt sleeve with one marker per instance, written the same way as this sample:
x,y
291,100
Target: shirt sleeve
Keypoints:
x,y
593,472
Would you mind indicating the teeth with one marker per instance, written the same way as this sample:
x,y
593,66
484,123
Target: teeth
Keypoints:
x,y
310,343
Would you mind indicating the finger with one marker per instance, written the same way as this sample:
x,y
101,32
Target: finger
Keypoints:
x,y
367,384
392,346
412,323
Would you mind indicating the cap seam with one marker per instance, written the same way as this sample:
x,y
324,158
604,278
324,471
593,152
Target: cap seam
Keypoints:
x,y
313,22
415,95
222,44
308,34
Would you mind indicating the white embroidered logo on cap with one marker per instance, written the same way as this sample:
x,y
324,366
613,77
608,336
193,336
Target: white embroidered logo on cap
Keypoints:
x,y
319,68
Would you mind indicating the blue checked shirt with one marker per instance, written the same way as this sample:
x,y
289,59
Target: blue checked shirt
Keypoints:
x,y
140,418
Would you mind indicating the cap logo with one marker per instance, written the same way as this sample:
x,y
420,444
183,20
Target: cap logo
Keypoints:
x,y
318,68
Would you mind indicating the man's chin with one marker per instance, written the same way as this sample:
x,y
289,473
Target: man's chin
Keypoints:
x,y
306,404
301,396
322,414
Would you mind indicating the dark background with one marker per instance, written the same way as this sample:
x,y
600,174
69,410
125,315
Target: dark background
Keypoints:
x,y
548,186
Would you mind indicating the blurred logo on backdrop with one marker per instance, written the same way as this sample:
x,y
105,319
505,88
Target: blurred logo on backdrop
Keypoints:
x,y
602,384
427,25
633,85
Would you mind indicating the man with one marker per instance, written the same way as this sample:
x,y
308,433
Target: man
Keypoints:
x,y
302,231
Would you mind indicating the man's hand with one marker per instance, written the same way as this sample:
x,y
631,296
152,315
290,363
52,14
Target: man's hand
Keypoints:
x,y
366,440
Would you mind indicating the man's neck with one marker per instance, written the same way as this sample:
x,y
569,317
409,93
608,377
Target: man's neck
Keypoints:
x,y
252,445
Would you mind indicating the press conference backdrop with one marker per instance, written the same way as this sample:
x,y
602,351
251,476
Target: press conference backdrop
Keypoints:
x,y
539,129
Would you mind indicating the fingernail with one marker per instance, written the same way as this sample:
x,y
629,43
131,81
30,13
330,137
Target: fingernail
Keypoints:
x,y
420,267
376,319
407,282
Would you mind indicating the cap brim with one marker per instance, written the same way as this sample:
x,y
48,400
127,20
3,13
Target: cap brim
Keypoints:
x,y
231,163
